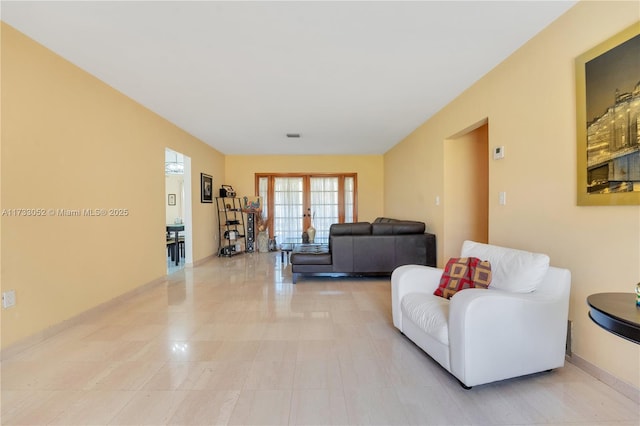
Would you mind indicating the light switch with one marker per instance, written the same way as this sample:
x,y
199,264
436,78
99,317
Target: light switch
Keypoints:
x,y
498,152
502,198
8,299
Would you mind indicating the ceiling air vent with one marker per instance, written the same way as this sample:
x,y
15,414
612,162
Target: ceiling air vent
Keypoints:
x,y
293,135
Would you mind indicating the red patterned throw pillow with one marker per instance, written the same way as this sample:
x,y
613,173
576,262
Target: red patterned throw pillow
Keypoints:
x,y
461,273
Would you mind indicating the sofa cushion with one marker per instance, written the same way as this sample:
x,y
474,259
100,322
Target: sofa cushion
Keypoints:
x,y
384,220
461,273
397,228
311,255
512,270
358,228
429,312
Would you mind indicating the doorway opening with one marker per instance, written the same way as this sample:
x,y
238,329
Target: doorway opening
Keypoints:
x,y
178,211
466,188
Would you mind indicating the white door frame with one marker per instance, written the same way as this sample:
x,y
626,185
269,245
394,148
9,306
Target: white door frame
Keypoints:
x,y
188,222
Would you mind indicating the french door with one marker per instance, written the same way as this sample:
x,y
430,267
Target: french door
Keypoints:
x,y
293,202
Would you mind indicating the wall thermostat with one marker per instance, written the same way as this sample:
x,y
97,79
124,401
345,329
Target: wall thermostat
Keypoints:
x,y
498,152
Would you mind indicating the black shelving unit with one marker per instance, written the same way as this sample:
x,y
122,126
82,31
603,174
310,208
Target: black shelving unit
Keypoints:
x,y
231,223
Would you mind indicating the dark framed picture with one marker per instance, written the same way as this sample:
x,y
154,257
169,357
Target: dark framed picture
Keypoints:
x,y
608,121
206,188
172,199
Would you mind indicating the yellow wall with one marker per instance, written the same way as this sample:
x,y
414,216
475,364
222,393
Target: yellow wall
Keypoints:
x,y
241,169
71,142
529,101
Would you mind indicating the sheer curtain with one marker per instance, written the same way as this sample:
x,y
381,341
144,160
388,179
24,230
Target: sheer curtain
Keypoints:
x,y
263,191
288,209
324,205
349,199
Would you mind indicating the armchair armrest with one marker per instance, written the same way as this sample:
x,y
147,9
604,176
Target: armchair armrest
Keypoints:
x,y
495,334
411,279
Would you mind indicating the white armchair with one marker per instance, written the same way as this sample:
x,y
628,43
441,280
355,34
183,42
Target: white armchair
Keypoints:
x,y
517,326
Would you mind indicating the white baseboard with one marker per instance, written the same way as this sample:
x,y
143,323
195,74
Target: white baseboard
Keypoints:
x,y
203,260
82,317
40,336
624,388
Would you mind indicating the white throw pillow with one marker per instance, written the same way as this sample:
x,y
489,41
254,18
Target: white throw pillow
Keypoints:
x,y
513,270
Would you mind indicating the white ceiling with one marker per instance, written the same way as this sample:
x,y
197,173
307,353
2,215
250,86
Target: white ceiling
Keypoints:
x,y
350,77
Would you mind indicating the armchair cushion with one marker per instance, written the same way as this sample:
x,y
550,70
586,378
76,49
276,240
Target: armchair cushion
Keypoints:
x,y
512,270
461,273
429,313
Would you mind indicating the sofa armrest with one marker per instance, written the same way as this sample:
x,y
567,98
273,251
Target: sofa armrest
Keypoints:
x,y
495,334
411,279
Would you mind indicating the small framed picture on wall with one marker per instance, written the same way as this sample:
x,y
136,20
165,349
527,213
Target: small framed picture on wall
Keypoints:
x,y
206,188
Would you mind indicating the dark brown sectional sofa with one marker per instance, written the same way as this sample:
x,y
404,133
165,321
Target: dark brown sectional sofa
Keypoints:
x,y
365,248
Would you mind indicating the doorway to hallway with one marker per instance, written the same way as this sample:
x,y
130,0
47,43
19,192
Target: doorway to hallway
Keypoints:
x,y
466,188
177,210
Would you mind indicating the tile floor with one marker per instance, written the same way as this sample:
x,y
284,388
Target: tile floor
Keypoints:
x,y
234,342
172,267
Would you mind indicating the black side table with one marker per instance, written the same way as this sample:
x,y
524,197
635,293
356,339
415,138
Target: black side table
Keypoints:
x,y
616,313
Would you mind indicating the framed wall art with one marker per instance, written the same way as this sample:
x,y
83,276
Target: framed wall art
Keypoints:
x,y
608,121
206,188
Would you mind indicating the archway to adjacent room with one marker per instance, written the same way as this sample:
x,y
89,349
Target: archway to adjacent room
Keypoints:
x,y
466,188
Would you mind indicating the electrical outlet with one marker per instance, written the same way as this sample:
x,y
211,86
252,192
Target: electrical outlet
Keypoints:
x,y
8,299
